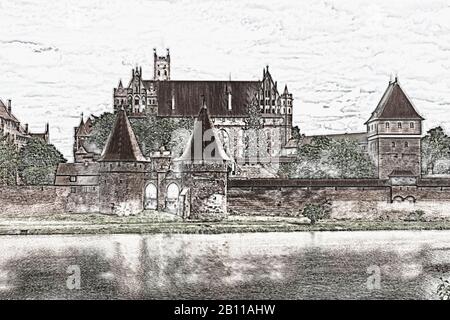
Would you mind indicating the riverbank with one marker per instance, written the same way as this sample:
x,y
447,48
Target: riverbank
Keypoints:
x,y
151,223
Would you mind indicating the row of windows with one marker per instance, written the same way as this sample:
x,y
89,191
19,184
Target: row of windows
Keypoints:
x,y
387,125
276,110
406,144
399,125
151,101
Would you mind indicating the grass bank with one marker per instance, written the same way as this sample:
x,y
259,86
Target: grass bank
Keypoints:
x,y
150,223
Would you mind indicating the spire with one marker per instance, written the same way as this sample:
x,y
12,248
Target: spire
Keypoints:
x,y
120,86
285,89
204,145
122,144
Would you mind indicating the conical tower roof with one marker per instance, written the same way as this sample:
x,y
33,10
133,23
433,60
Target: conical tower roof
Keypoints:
x,y
122,144
204,146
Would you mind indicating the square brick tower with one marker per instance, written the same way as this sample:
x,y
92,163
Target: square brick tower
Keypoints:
x,y
394,131
204,167
122,171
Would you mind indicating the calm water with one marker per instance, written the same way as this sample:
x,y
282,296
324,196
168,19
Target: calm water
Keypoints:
x,y
330,265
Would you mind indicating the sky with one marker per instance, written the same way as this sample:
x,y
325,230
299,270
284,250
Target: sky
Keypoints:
x,y
59,59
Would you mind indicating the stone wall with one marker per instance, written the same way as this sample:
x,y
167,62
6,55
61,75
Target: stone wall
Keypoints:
x,y
358,200
33,199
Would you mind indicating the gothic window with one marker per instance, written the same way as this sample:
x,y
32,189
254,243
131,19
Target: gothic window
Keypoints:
x,y
411,125
289,110
387,125
136,101
399,125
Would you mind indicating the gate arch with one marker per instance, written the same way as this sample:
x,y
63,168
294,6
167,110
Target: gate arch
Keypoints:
x,y
151,197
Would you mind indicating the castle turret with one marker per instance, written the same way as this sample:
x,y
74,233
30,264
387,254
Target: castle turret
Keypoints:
x,y
122,169
394,132
204,164
161,66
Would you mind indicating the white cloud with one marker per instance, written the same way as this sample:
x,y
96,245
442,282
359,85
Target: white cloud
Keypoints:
x,y
61,58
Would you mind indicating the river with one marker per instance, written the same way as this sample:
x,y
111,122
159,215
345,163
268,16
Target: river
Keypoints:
x,y
303,265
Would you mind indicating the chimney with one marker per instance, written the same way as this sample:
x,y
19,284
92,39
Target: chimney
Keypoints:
x,y
9,106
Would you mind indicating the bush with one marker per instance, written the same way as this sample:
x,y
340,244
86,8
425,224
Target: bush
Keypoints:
x,y
316,212
443,290
416,215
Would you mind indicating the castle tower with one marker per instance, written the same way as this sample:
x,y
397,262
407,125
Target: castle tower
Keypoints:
x,y
394,131
122,170
161,66
204,165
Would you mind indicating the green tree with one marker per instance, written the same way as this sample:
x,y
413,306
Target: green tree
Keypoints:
x,y
151,132
9,162
328,158
315,212
435,146
350,161
38,162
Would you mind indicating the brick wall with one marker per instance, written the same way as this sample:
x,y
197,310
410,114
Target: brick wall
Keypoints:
x,y
349,199
33,199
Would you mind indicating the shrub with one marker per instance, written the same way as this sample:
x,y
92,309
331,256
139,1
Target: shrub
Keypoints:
x,y
316,212
443,290
416,215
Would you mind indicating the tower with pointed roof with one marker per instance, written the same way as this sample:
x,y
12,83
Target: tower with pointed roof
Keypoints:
x,y
204,165
122,171
394,131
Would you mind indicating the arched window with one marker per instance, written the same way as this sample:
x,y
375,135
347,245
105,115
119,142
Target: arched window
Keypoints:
x,y
151,196
393,144
387,125
399,125
411,125
172,194
406,144
289,110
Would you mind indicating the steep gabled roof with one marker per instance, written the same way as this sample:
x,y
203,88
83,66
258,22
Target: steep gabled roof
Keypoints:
x,y
122,144
394,104
204,145
4,114
187,96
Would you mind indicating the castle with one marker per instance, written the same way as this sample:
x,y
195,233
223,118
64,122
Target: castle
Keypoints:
x,y
228,104
121,180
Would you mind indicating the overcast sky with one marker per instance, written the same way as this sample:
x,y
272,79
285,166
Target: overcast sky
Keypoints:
x,y
61,58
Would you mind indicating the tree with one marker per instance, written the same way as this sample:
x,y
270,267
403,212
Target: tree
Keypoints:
x,y
435,146
316,212
38,162
350,161
151,132
328,158
9,162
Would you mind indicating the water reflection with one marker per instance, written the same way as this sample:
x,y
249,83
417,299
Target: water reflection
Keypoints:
x,y
245,266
